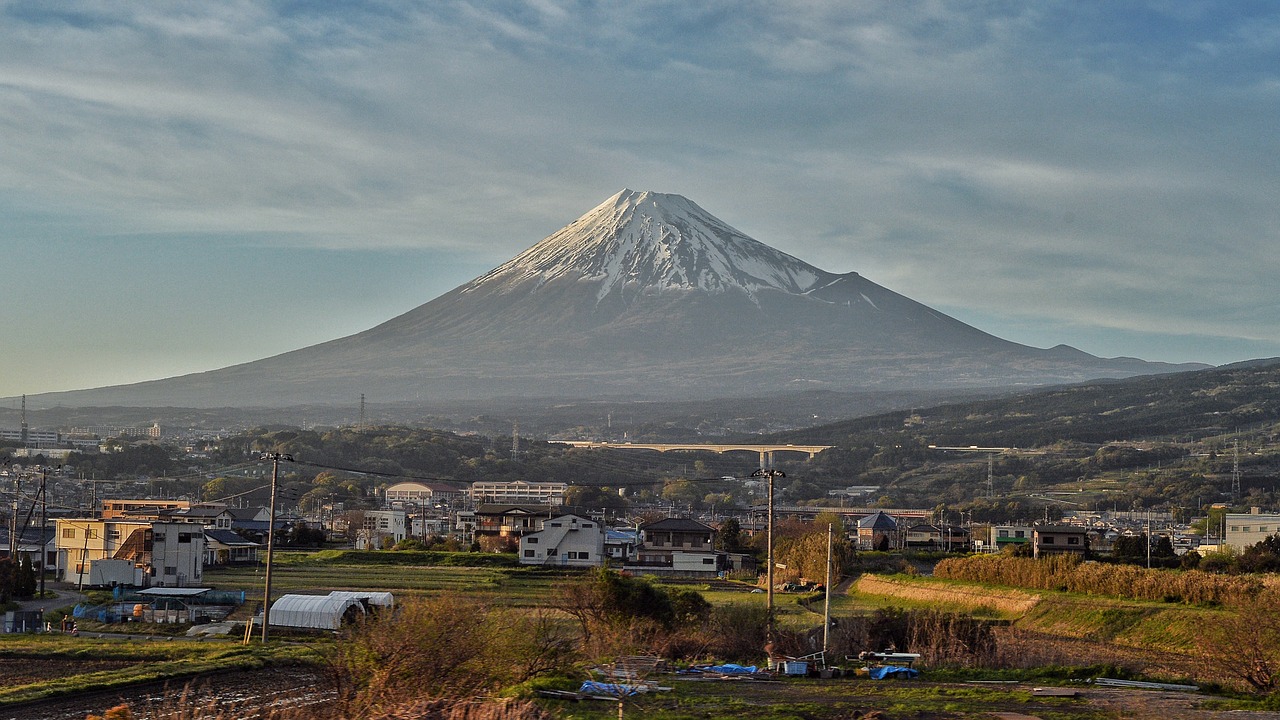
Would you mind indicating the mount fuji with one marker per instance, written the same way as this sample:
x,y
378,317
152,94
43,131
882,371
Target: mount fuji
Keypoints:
x,y
647,296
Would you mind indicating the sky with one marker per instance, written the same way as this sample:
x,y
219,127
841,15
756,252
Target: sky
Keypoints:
x,y
190,185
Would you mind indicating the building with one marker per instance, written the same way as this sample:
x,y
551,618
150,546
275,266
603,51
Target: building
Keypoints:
x,y
518,492
139,509
163,554
935,537
620,543
999,537
382,528
501,520
878,531
564,541
677,547
224,547
422,494
1058,539
1251,528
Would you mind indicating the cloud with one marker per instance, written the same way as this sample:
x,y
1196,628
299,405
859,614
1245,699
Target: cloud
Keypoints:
x,y
1106,167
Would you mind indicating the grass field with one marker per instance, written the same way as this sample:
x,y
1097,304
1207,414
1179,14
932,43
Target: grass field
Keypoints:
x,y
40,666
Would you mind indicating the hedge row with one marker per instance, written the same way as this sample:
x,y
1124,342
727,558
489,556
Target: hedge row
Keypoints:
x,y
1068,573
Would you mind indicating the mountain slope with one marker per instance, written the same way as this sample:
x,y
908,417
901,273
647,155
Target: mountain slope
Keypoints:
x,y
646,295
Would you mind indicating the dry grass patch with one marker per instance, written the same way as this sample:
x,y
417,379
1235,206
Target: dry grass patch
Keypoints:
x,y
1012,603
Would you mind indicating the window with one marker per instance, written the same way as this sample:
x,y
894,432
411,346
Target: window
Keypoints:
x,y
708,561
1020,533
1047,540
1073,541
554,524
90,533
587,526
184,537
528,553
1245,529
68,532
532,540
157,537
170,570
1002,533
113,534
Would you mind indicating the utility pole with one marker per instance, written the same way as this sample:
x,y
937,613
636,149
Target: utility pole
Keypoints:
x,y
13,518
769,473
275,459
44,521
826,603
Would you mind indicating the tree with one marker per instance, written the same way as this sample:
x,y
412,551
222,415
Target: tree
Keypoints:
x,y
729,539
1246,644
24,584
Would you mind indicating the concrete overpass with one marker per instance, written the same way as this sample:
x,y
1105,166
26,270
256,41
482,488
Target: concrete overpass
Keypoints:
x,y
766,451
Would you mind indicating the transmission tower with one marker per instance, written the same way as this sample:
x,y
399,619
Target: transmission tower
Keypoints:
x,y
515,441
362,426
1235,471
24,422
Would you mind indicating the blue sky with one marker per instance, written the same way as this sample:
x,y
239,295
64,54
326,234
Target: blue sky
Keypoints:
x,y
185,186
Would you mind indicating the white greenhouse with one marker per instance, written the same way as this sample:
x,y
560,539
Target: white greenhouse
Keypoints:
x,y
326,612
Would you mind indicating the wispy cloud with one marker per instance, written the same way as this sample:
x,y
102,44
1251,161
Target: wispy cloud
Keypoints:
x,y
1089,167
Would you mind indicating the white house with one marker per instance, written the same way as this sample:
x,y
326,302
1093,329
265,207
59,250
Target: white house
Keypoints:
x,y
565,541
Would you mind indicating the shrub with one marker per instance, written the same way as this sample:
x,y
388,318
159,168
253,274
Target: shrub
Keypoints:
x,y
444,647
1068,573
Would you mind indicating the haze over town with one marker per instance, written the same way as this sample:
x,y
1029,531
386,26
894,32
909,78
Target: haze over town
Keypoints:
x,y
194,186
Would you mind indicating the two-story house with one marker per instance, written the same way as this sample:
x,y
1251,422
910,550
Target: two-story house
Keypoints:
x,y
1049,539
677,547
566,540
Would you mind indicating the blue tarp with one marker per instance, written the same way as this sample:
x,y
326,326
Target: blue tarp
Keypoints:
x,y
892,671
731,669
592,687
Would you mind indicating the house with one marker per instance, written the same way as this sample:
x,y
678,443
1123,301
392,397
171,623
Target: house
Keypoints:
x,y
677,547
507,520
218,517
935,537
1001,536
224,547
564,541
1051,539
39,546
620,543
167,554
878,531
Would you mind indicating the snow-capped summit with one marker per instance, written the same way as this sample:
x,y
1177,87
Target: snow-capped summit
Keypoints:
x,y
655,241
645,296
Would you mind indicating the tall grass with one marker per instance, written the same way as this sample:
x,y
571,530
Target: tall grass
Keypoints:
x,y
1067,573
